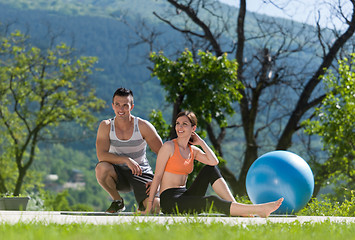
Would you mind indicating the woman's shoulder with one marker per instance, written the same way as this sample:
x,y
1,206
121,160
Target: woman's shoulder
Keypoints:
x,y
167,148
169,144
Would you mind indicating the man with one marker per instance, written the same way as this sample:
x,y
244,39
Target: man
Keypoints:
x,y
121,150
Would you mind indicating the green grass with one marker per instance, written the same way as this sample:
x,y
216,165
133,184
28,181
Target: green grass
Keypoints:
x,y
194,229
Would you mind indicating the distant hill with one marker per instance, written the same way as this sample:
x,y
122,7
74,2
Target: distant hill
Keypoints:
x,y
92,35
98,8
88,25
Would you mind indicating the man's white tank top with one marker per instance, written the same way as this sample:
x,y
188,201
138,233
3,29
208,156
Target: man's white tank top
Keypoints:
x,y
134,148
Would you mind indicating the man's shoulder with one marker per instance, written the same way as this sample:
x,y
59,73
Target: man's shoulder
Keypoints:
x,y
106,123
141,120
144,125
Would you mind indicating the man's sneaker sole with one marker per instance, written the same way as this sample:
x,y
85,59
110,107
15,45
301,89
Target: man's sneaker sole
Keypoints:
x,y
114,206
121,210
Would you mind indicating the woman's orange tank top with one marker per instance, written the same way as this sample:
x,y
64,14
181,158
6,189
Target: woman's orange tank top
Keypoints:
x,y
177,164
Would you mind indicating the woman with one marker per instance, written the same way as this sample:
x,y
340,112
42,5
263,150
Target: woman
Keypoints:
x,y
174,164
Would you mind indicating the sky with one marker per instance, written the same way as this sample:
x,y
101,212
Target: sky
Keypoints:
x,y
304,11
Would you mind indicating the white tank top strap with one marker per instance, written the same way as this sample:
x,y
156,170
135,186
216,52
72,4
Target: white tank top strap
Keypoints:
x,y
112,122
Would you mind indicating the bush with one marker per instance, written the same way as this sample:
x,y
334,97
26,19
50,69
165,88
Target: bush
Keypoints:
x,y
327,207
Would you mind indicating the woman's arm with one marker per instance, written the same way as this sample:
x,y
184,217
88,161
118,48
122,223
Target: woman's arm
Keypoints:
x,y
206,156
163,156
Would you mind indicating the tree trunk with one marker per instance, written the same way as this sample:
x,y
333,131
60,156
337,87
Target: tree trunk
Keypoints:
x,y
216,142
22,169
251,154
19,181
230,178
176,110
227,174
3,188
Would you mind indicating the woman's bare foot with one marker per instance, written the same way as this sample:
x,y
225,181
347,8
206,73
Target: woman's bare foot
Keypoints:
x,y
267,208
249,210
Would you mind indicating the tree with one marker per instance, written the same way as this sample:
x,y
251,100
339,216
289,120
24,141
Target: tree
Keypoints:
x,y
280,64
39,89
208,86
335,124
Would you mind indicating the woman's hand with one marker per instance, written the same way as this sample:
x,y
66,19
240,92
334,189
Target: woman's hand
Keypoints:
x,y
206,155
148,209
195,139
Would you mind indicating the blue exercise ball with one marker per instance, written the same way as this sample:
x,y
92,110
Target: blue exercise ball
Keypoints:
x,y
280,174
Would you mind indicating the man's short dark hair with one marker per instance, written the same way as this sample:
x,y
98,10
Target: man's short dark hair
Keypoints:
x,y
123,92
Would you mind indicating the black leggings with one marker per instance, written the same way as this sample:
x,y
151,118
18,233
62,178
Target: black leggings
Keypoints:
x,y
193,199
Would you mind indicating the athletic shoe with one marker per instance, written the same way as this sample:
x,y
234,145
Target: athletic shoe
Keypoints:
x,y
116,206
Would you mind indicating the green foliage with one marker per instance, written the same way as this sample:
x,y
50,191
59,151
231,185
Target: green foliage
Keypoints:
x,y
329,207
163,129
335,123
59,202
207,86
40,89
340,188
336,117
56,202
61,160
243,199
12,195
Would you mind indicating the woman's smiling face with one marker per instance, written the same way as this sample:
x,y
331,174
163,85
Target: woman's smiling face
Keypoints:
x,y
183,126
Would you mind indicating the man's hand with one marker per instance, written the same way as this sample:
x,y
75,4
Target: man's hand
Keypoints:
x,y
147,186
134,166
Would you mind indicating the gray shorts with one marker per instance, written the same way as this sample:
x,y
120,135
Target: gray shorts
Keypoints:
x,y
128,182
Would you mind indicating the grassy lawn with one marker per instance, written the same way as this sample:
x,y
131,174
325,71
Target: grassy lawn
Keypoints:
x,y
195,228
184,231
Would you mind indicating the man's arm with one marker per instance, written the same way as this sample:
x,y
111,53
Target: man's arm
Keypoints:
x,y
103,146
151,136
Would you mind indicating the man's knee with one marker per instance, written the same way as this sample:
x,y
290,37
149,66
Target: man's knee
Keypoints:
x,y
103,170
